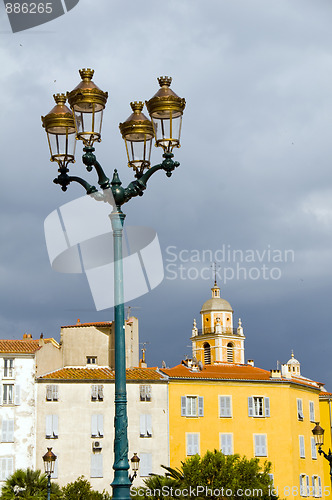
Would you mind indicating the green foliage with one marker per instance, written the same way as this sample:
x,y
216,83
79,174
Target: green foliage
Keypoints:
x,y
213,477
81,490
28,484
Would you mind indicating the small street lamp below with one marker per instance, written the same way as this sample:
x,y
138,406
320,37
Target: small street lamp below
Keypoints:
x,y
135,466
318,433
49,463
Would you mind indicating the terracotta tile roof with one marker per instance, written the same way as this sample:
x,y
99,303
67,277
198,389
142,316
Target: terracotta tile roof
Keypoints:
x,y
219,371
103,373
230,371
96,323
323,394
25,346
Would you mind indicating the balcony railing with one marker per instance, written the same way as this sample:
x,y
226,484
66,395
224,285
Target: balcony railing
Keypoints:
x,y
224,329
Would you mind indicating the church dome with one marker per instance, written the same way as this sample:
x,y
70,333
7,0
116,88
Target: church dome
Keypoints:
x,y
293,361
216,303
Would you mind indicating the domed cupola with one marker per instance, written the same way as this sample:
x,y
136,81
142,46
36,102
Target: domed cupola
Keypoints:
x,y
218,340
294,366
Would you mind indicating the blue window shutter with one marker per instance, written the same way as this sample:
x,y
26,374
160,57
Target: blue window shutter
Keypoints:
x,y
250,406
200,406
183,406
267,406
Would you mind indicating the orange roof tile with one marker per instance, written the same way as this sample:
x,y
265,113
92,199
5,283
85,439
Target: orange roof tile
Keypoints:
x,y
102,373
96,323
25,346
230,371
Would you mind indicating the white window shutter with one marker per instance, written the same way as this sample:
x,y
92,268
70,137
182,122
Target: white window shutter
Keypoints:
x,y
55,390
200,406
142,425
49,432
308,485
149,425
96,465
4,436
183,406
100,423
312,411
55,474
142,392
100,392
319,486
250,406
17,395
10,430
263,445
55,425
299,409
94,391
1,391
94,425
267,406
145,465
148,392
226,444
190,444
195,443
225,406
313,449
302,449
49,393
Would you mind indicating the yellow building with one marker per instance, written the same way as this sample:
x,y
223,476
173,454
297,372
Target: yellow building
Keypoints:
x,y
216,401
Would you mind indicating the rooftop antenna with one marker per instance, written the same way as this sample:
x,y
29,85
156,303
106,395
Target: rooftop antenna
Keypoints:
x,y
215,268
143,349
129,308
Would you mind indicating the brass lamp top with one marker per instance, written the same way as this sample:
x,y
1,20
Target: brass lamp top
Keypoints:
x,y
87,93
49,456
137,127
60,119
165,101
318,430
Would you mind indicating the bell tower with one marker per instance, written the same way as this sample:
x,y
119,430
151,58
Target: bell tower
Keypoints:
x,y
217,341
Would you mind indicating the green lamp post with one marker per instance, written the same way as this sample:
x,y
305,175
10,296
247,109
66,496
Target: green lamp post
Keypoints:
x,y
49,463
318,433
84,122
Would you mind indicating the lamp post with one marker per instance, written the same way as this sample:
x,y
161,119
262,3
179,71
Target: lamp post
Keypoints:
x,y
84,122
318,433
49,463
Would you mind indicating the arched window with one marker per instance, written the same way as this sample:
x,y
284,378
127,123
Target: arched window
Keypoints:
x,y
207,353
230,352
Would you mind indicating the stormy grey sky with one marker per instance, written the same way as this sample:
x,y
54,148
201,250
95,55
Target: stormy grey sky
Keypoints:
x,y
255,174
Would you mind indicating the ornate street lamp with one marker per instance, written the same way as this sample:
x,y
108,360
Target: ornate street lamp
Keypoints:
x,y
318,433
49,463
87,103
135,460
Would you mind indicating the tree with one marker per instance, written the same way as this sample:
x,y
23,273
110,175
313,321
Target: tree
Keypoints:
x,y
28,484
81,490
213,477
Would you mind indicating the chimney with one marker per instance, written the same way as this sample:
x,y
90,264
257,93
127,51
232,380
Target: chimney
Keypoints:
x,y
275,374
250,362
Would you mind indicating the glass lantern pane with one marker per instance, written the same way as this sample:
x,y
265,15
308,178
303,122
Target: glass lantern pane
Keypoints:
x,y
62,146
139,152
168,132
88,123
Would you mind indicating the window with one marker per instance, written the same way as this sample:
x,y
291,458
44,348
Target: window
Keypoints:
x,y
192,443
230,352
145,464
52,426
192,406
7,434
8,368
302,448
299,409
313,449
225,406
145,392
316,486
304,485
8,394
226,443
6,467
91,360
312,411
258,406
97,426
260,445
145,425
96,465
55,474
207,353
52,393
97,392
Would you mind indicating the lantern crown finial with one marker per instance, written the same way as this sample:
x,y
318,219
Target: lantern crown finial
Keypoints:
x,y
137,106
86,74
165,81
60,98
